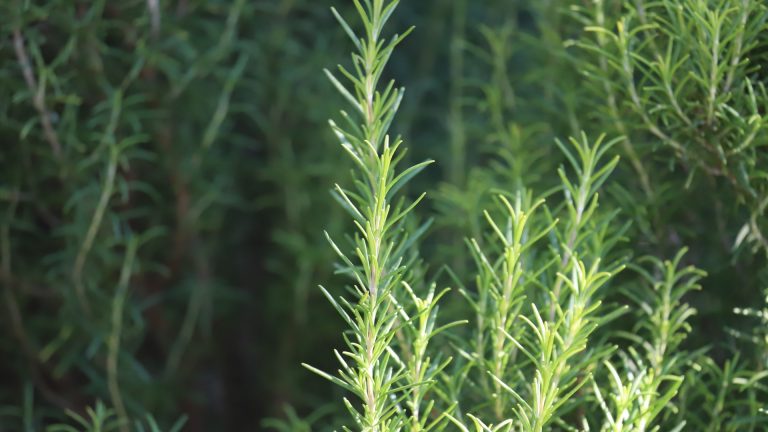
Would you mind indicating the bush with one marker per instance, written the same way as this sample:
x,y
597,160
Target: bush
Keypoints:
x,y
589,255
574,323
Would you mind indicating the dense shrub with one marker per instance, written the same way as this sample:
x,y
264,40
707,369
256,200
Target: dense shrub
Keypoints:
x,y
586,252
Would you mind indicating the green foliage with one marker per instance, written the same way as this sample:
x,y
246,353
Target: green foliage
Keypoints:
x,y
544,350
132,141
370,367
102,419
592,255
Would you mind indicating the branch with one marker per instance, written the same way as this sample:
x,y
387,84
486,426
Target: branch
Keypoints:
x,y
38,92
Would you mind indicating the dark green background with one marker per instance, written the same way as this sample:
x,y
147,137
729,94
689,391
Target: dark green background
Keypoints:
x,y
227,166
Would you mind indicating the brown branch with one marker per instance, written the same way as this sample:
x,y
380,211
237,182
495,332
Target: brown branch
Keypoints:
x,y
38,92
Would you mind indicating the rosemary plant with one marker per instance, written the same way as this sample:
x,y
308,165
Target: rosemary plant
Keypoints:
x,y
543,351
371,368
163,204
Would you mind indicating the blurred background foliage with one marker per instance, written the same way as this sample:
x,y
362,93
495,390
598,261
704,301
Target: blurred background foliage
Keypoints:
x,y
166,166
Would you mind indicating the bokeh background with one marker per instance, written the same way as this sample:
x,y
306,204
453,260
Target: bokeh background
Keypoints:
x,y
172,158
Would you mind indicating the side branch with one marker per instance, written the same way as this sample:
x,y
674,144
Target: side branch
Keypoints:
x,y
38,92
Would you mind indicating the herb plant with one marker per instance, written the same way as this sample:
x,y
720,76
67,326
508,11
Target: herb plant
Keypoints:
x,y
560,226
553,271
